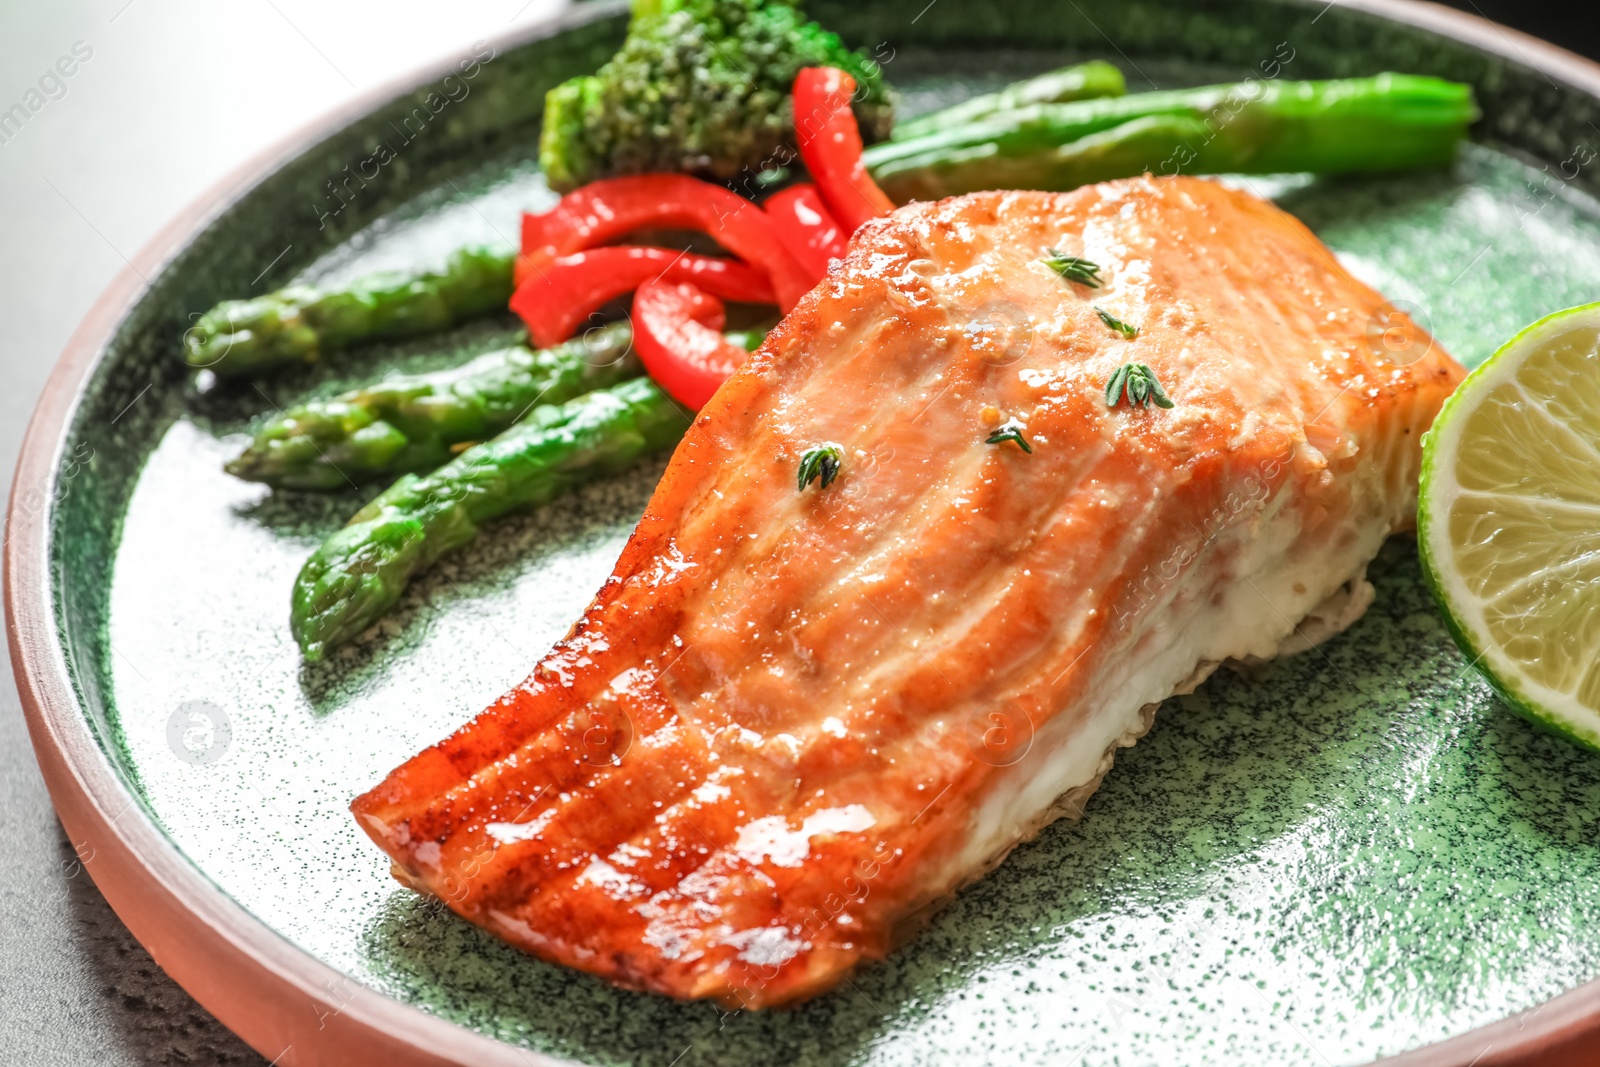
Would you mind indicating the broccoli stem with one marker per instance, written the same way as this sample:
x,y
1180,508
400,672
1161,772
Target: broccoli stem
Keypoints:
x,y
1388,122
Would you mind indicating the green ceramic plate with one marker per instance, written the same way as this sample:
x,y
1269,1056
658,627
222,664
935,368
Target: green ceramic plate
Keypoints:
x,y
1352,853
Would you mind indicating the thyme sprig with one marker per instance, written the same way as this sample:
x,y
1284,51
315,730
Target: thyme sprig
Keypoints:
x,y
1073,268
1130,332
822,462
1010,430
1138,383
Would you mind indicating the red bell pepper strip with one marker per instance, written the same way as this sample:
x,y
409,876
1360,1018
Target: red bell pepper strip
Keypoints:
x,y
531,253
677,333
555,301
603,211
806,228
532,231
830,145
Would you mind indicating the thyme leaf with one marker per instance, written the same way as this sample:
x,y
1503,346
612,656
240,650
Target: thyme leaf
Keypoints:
x,y
820,462
1138,383
1073,268
1130,332
1010,430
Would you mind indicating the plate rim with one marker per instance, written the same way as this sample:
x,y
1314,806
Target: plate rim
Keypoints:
x,y
282,1001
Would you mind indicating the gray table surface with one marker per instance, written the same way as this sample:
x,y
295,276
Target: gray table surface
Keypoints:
x,y
174,94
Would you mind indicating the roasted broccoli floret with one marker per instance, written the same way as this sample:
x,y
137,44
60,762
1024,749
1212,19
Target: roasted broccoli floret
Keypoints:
x,y
700,86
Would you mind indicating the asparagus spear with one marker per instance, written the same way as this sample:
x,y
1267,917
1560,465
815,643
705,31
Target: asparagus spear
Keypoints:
x,y
302,322
410,422
358,573
1389,122
1084,81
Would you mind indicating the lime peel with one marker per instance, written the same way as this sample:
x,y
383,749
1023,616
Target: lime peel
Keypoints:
x,y
1508,521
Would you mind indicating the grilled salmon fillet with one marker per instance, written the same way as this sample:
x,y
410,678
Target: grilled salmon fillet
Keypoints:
x,y
792,722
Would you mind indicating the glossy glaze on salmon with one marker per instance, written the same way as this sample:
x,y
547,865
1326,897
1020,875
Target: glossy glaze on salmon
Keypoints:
x,y
793,722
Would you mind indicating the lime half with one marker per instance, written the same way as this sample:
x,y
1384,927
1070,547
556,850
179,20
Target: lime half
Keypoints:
x,y
1509,520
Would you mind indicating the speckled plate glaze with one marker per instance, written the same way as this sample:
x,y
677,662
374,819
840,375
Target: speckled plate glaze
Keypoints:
x,y
1349,854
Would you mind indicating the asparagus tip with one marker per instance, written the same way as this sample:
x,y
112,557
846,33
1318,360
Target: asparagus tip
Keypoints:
x,y
242,466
